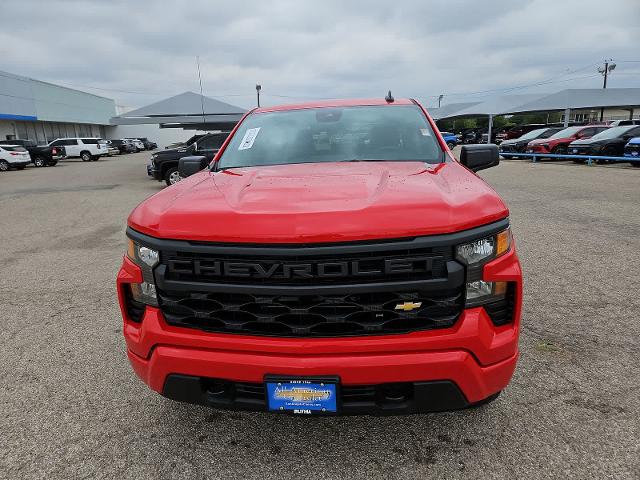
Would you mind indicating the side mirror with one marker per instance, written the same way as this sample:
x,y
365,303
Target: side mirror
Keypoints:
x,y
187,166
479,157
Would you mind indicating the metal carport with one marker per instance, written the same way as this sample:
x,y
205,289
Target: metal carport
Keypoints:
x,y
185,111
565,100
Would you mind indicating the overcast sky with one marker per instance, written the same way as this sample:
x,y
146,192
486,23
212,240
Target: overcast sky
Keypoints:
x,y
139,52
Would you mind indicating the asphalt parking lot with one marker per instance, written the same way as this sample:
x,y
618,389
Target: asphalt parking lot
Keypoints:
x,y
72,407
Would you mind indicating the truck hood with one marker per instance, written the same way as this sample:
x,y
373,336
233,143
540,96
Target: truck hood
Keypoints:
x,y
512,141
314,202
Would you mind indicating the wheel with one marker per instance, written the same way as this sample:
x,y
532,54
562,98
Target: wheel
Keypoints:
x,y
172,176
40,162
4,165
559,150
85,156
451,145
607,152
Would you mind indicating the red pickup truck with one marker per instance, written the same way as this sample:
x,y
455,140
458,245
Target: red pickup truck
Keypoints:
x,y
333,258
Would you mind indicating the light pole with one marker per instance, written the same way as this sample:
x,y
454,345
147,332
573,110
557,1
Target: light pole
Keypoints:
x,y
440,97
258,88
605,71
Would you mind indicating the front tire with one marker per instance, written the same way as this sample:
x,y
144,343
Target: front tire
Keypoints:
x,y
451,145
559,150
85,156
172,176
4,166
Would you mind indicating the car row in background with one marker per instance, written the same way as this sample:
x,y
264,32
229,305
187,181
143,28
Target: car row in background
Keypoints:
x,y
131,145
163,165
40,155
18,153
586,140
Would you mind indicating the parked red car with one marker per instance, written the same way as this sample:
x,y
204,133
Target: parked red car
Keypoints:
x,y
334,258
557,143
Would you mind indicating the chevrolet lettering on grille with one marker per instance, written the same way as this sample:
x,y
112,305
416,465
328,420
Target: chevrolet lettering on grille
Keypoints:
x,y
278,270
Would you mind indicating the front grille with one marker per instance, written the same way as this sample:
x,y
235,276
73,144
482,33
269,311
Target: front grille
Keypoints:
x,y
312,315
315,290
631,149
575,150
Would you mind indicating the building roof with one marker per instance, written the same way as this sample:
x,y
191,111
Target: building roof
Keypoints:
x,y
187,103
184,110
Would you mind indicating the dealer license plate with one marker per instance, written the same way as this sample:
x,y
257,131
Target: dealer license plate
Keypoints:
x,y
302,396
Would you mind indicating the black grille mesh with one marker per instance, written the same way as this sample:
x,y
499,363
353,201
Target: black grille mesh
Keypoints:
x,y
312,315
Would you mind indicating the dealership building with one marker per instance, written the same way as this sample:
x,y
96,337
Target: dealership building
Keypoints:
x,y
41,111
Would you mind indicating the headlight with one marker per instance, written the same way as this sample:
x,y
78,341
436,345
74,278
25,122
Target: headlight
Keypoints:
x,y
146,258
475,255
479,251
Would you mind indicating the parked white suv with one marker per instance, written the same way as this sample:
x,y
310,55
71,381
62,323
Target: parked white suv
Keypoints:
x,y
13,156
86,148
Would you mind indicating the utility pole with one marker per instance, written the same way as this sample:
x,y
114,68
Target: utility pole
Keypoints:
x,y
258,88
609,67
440,97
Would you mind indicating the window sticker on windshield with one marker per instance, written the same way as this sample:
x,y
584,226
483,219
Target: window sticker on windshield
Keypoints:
x,y
249,138
425,132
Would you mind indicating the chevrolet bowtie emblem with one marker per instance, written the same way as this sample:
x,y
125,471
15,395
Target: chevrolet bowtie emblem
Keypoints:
x,y
408,306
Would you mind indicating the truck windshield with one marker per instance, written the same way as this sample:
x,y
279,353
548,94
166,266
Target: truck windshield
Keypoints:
x,y
341,134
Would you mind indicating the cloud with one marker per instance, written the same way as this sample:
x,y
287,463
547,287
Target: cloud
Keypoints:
x,y
140,52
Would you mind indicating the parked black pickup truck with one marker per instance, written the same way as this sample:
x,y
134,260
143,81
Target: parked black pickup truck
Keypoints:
x,y
164,164
41,155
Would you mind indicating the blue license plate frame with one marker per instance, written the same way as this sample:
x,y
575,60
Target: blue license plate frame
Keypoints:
x,y
303,395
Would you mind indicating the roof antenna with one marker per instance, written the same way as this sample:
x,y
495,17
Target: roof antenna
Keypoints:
x,y
389,97
204,121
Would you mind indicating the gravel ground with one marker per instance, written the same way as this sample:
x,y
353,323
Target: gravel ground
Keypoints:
x,y
72,407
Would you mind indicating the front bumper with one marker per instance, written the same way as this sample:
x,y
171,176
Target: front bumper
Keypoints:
x,y
155,172
537,149
475,359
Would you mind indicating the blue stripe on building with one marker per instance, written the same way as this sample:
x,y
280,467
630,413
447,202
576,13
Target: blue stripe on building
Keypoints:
x,y
26,118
